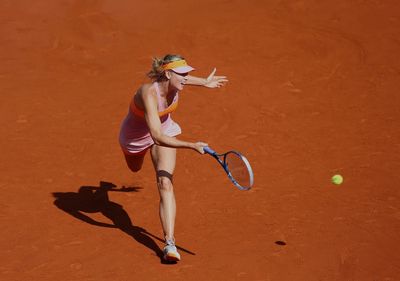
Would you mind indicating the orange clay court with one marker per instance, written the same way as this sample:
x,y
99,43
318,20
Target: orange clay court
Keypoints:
x,y
313,91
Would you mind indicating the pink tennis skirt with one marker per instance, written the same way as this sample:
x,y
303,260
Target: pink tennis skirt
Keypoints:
x,y
135,138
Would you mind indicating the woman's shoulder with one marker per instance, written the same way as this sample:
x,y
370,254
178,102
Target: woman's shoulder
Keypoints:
x,y
146,92
146,89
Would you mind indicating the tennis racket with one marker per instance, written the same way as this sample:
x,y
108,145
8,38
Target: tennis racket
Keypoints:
x,y
236,166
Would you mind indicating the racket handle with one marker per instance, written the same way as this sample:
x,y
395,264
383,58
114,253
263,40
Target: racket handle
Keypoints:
x,y
208,150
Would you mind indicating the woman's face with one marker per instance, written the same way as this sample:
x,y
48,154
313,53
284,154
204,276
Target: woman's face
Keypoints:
x,y
178,80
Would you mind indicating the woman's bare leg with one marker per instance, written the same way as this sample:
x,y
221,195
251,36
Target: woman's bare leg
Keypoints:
x,y
164,159
134,161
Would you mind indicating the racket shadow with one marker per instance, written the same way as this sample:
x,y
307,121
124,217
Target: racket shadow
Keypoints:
x,y
95,199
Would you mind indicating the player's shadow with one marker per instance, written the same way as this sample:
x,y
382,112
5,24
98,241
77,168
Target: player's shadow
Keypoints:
x,y
94,199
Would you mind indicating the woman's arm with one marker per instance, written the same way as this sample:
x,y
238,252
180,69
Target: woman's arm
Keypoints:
x,y
154,123
211,81
196,81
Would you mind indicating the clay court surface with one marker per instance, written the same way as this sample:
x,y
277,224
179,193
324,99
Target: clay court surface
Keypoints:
x,y
313,91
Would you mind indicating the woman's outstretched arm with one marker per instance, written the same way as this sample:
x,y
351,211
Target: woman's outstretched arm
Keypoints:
x,y
211,81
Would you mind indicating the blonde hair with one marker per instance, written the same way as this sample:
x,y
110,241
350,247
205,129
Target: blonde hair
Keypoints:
x,y
157,72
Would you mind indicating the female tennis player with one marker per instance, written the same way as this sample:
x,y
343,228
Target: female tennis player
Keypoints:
x,y
149,126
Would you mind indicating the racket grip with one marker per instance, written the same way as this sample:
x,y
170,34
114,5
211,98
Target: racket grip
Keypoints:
x,y
208,150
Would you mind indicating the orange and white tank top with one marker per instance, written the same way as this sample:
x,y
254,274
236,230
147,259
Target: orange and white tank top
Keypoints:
x,y
162,108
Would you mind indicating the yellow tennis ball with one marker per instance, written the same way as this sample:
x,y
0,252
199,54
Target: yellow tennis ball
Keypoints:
x,y
337,179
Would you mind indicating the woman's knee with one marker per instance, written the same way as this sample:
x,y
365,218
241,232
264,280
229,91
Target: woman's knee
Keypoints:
x,y
134,162
164,181
134,167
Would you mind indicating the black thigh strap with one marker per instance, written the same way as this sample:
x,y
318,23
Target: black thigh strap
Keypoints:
x,y
163,173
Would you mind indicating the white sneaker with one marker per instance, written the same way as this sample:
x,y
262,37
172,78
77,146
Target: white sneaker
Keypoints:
x,y
170,252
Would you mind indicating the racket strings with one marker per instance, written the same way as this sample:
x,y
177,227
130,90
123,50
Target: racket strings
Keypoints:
x,y
239,169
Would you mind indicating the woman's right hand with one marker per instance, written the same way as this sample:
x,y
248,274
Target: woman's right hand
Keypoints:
x,y
199,147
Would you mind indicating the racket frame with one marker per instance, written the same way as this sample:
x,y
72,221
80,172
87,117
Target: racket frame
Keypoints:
x,y
224,165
